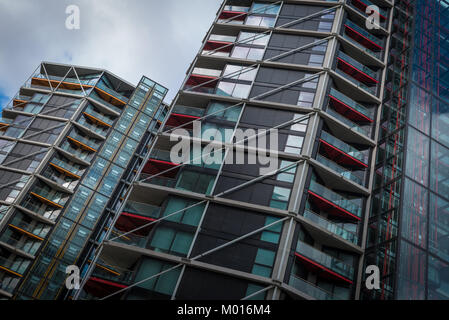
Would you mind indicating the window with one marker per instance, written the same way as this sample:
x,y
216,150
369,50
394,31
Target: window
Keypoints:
x,y
273,233
300,126
169,240
260,39
195,182
266,8
294,144
280,198
190,216
306,99
267,22
239,73
316,60
264,263
223,110
164,284
288,175
247,53
236,90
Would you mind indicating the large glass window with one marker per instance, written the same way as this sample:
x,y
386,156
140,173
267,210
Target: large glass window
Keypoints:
x,y
190,216
417,166
439,227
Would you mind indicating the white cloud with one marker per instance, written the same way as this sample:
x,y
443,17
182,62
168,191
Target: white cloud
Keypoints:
x,y
130,38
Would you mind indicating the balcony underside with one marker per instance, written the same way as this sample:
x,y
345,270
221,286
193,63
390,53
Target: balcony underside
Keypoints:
x,y
102,288
322,271
356,73
129,221
219,46
339,156
154,167
177,120
330,207
363,40
348,111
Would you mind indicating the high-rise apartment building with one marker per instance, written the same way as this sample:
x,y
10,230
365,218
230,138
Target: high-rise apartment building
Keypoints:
x,y
70,143
358,96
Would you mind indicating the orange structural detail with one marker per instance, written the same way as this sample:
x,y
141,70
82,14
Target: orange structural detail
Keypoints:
x,y
109,97
31,235
64,171
59,84
10,271
45,200
91,117
82,145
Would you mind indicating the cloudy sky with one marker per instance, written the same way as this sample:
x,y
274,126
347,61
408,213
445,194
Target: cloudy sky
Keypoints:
x,y
131,38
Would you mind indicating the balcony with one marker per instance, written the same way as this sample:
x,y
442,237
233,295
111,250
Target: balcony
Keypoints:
x,y
76,152
356,69
238,14
182,116
219,45
105,281
52,198
334,203
10,267
98,118
27,229
159,181
94,127
110,95
83,142
203,80
331,227
160,162
325,265
344,172
363,37
94,96
310,289
63,84
67,169
21,100
24,248
136,215
342,152
5,123
349,108
361,5
48,213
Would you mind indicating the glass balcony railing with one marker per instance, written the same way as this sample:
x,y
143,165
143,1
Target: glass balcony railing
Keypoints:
x,y
364,33
162,155
160,181
52,196
84,140
129,239
344,147
98,116
365,130
357,83
9,284
78,153
90,82
353,206
325,260
28,227
44,211
378,54
93,95
339,169
142,209
4,121
359,66
24,246
63,182
102,131
310,289
363,4
68,167
331,227
200,89
123,277
351,103
189,111
11,265
112,92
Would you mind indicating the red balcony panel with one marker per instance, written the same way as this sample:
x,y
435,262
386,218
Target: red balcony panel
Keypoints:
x,y
102,288
219,46
362,7
129,221
356,73
330,207
177,120
348,111
205,81
339,156
154,167
235,15
322,271
362,39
